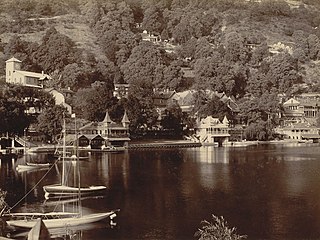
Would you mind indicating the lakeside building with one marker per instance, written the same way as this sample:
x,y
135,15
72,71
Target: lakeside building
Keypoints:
x,y
211,131
300,132
298,121
105,134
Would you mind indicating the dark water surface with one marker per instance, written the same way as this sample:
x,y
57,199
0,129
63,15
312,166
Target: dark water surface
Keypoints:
x,y
265,191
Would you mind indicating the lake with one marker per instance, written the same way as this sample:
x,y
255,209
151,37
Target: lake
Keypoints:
x,y
265,191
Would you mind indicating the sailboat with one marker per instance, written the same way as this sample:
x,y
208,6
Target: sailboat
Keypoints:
x,y
55,220
32,166
29,165
63,190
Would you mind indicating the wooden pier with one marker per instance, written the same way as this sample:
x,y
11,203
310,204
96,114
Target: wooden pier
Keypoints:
x,y
165,144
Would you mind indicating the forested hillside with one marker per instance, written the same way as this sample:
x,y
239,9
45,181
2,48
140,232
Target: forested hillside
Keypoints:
x,y
251,50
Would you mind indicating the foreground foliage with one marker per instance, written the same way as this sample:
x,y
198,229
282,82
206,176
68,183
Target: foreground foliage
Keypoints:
x,y
217,230
2,197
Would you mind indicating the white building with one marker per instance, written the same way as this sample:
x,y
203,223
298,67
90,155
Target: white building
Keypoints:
x,y
211,131
59,98
14,75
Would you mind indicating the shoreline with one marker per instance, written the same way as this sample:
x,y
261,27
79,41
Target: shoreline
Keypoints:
x,y
147,144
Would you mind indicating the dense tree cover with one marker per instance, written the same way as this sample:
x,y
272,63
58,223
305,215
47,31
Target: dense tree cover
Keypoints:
x,y
214,107
55,52
13,117
173,118
92,102
230,45
14,101
50,122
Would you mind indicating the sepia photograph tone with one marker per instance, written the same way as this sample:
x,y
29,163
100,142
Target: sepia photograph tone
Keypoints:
x,y
159,119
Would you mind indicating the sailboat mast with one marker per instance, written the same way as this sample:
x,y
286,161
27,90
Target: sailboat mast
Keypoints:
x,y
63,151
78,165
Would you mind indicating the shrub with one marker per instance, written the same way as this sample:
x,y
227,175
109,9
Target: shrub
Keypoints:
x,y
2,197
217,230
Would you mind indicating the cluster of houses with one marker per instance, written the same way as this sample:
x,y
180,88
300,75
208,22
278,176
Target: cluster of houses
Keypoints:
x,y
298,121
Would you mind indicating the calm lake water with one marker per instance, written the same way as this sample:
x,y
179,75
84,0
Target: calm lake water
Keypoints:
x,y
265,191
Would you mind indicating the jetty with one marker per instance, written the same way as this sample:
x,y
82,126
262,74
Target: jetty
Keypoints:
x,y
165,144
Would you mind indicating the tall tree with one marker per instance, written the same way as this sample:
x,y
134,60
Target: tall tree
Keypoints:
x,y
50,122
141,69
172,119
47,55
13,119
153,20
91,103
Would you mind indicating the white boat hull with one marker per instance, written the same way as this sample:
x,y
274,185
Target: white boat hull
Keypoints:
x,y
66,191
32,166
62,222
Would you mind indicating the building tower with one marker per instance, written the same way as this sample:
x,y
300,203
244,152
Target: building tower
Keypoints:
x,y
12,65
125,120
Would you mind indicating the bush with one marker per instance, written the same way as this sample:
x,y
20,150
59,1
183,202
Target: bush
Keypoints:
x,y
2,197
217,230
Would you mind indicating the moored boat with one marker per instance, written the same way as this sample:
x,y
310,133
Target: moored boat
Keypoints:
x,y
31,166
58,219
63,189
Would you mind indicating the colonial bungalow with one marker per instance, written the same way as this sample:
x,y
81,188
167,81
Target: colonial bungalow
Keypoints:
x,y
186,100
14,75
300,109
105,134
300,132
121,90
60,97
299,118
211,131
150,37
161,100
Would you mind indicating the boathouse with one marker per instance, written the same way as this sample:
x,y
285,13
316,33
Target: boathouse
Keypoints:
x,y
211,131
105,134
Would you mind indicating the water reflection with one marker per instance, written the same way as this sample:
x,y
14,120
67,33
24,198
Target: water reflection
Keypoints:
x,y
209,154
266,191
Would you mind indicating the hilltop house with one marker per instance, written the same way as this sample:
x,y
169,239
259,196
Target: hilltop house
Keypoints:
x,y
15,75
100,135
121,90
150,37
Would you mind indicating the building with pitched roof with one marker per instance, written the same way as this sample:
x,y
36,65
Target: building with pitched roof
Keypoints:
x,y
299,118
100,135
60,97
14,75
211,131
